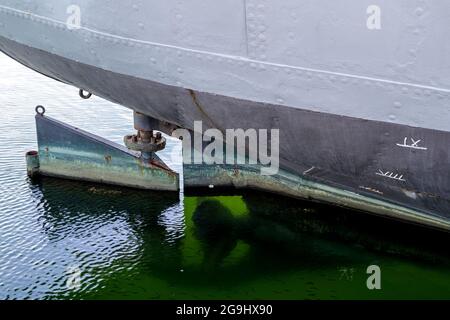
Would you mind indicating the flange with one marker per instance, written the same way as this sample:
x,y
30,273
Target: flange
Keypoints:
x,y
145,142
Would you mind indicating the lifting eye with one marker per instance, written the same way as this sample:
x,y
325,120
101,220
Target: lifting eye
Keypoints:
x,y
40,110
85,95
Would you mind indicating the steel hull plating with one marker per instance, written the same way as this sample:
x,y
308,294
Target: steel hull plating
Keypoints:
x,y
343,153
366,136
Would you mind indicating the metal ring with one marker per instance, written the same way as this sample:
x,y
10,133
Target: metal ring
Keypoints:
x,y
40,110
85,96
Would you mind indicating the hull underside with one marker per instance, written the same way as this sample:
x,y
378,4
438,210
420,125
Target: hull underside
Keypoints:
x,y
378,160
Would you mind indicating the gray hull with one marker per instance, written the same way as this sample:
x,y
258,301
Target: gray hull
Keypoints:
x,y
378,160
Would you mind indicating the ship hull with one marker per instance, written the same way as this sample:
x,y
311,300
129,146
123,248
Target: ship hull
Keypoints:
x,y
339,140
342,152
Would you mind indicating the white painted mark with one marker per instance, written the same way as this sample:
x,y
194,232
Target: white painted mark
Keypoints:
x,y
410,194
309,170
413,145
390,175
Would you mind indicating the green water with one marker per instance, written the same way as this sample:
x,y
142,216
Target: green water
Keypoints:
x,y
247,246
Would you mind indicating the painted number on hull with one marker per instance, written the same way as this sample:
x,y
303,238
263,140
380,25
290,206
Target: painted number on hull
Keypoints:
x,y
390,175
414,144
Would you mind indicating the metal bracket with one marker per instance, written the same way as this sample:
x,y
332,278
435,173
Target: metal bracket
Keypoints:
x,y
68,152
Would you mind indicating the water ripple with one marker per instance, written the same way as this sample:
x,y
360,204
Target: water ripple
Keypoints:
x,y
72,240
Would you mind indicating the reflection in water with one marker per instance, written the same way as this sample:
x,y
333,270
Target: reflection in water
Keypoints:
x,y
100,230
215,228
149,245
124,243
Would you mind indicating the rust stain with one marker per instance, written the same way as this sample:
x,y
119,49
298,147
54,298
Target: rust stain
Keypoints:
x,y
144,165
423,194
163,167
140,165
108,159
104,191
372,190
235,171
201,109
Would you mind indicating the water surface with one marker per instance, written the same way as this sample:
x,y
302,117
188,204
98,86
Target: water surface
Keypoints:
x,y
72,240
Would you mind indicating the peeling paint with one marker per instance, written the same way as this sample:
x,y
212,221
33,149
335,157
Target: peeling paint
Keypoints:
x,y
74,154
